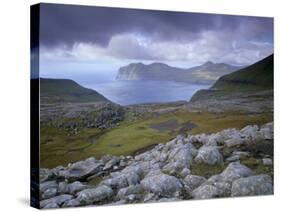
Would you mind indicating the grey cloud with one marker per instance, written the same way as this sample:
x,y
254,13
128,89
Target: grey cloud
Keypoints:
x,y
67,24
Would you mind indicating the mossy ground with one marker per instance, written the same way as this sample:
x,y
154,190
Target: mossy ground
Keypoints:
x,y
60,148
257,166
206,170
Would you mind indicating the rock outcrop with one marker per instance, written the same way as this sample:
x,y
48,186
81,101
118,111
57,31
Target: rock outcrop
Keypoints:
x,y
168,172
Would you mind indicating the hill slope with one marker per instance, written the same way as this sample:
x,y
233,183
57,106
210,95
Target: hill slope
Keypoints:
x,y
65,90
258,75
249,89
205,73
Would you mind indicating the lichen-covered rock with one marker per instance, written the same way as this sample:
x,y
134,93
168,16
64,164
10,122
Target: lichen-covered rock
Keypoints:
x,y
49,193
253,185
45,174
183,155
267,131
234,141
235,171
71,203
194,181
267,162
134,189
71,188
209,155
51,205
100,193
122,180
184,172
57,200
111,163
81,170
250,132
48,185
162,184
205,192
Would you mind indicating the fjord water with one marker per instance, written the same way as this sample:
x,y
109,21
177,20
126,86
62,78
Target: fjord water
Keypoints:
x,y
137,92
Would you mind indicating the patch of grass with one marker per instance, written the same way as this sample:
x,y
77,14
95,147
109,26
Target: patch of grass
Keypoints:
x,y
257,166
95,181
59,148
206,170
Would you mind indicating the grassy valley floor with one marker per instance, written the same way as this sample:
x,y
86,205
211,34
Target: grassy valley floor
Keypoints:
x,y
60,146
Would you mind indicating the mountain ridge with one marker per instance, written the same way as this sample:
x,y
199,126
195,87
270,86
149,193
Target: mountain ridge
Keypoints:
x,y
205,73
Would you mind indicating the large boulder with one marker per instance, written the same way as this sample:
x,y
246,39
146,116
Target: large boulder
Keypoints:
x,y
100,193
235,171
250,132
162,185
209,155
81,170
183,155
253,185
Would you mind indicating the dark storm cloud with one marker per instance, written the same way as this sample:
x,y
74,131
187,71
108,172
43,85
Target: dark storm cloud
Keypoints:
x,y
68,24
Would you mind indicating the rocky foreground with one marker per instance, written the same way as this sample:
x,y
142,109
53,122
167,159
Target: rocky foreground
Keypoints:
x,y
165,173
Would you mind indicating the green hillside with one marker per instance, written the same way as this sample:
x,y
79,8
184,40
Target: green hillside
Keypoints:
x,y
65,90
256,76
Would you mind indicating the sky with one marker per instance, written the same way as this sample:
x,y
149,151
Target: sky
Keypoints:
x,y
81,40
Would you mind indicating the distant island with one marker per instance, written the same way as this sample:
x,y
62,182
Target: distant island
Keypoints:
x,y
205,73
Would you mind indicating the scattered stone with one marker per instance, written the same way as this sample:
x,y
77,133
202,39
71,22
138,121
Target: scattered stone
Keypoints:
x,y
162,173
267,162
